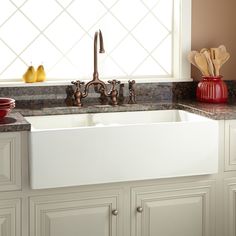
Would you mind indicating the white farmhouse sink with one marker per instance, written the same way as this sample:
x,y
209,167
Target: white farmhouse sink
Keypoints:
x,y
80,149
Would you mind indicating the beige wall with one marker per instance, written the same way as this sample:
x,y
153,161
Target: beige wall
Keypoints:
x,y
214,23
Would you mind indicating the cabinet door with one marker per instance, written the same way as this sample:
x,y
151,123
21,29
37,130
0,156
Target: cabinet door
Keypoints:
x,y
173,210
10,217
230,147
76,215
230,207
10,161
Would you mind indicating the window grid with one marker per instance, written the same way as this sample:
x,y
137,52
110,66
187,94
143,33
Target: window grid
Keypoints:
x,y
129,56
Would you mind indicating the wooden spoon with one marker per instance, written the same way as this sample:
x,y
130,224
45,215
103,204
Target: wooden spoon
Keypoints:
x,y
222,54
191,58
201,62
225,58
222,48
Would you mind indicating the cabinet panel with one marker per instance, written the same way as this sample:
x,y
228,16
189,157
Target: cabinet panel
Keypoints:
x,y
230,207
75,214
162,213
183,209
10,161
230,147
10,217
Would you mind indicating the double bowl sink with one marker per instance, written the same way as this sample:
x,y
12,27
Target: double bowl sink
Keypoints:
x,y
81,149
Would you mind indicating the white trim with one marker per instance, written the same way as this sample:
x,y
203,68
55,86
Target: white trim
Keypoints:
x,y
182,38
68,82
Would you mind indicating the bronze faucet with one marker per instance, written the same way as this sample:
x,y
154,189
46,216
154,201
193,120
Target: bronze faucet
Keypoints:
x,y
99,85
96,81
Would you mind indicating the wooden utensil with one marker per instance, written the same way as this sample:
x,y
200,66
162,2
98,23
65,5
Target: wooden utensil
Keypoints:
x,y
216,61
219,57
201,62
225,58
191,58
222,54
203,50
222,48
209,62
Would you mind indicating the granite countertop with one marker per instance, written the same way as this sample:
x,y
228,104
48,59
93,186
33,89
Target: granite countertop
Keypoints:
x,y
16,122
213,111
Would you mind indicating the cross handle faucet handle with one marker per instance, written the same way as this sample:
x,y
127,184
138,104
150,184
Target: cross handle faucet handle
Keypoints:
x,y
113,82
113,92
78,94
77,83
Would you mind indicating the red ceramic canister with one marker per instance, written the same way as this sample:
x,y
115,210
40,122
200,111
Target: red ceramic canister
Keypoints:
x,y
212,89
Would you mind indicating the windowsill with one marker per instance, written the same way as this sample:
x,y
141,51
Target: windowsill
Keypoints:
x,y
68,82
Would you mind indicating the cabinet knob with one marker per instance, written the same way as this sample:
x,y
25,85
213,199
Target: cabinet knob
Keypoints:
x,y
139,209
114,212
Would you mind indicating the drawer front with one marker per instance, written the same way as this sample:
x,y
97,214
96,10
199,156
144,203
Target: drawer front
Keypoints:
x,y
10,161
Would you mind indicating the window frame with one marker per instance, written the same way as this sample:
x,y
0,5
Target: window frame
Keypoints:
x,y
181,46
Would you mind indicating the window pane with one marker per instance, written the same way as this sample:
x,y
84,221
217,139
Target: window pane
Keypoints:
x,y
138,37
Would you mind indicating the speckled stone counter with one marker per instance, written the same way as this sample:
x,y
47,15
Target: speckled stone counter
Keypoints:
x,y
62,110
14,122
38,101
213,111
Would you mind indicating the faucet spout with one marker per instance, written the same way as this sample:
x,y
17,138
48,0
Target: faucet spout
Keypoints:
x,y
99,85
101,50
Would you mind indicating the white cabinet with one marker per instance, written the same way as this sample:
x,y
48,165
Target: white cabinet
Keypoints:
x,y
171,210
185,209
165,207
10,217
230,207
230,145
10,161
77,214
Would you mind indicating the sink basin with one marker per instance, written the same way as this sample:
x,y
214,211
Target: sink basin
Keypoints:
x,y
81,149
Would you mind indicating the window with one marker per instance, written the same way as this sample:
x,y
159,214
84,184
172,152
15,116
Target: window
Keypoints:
x,y
144,39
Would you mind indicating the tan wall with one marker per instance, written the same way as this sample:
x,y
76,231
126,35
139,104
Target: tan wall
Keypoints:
x,y
214,23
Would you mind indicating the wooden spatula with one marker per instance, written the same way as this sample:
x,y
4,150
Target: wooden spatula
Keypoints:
x,y
215,60
209,62
219,57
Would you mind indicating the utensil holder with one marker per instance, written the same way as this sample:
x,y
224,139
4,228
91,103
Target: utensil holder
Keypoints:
x,y
212,89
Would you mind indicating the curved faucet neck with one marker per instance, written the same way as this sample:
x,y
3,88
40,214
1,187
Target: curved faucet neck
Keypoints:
x,y
101,50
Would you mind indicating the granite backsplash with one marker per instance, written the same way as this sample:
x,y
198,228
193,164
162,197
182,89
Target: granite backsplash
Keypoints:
x,y
55,95
51,96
